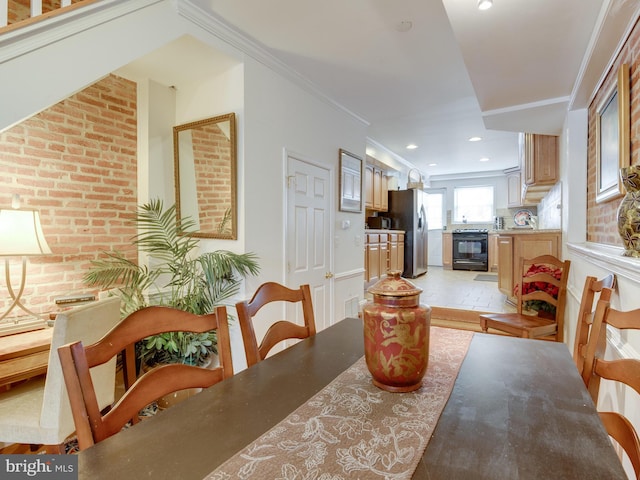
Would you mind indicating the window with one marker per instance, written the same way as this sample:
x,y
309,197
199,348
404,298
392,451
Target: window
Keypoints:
x,y
435,209
473,204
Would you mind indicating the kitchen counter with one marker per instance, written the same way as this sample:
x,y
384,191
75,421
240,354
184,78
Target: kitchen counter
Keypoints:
x,y
381,230
524,231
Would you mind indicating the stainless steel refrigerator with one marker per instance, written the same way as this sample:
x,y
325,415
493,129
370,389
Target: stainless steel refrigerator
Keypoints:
x,y
408,212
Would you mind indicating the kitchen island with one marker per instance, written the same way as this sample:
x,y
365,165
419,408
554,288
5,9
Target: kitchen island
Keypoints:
x,y
514,244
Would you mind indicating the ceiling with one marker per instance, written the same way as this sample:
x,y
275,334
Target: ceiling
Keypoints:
x,y
436,72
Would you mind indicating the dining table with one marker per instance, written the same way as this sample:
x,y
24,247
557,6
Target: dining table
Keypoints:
x,y
516,409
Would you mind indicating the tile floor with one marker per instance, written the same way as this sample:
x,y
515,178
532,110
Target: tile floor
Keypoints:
x,y
458,289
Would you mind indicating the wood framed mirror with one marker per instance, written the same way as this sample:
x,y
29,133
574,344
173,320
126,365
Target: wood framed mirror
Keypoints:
x,y
205,175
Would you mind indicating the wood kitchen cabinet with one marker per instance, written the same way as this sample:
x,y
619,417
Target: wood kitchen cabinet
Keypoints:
x,y
447,251
493,252
514,190
513,246
539,166
376,183
396,251
505,264
373,257
368,187
384,251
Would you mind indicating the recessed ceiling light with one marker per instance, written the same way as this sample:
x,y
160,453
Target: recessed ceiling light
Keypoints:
x,y
484,159
475,139
433,164
485,4
411,146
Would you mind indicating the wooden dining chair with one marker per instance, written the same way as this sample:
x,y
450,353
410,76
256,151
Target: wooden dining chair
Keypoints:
x,y
534,326
592,287
624,371
92,426
279,331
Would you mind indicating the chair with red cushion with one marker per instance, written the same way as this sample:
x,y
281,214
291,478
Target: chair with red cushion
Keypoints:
x,y
543,279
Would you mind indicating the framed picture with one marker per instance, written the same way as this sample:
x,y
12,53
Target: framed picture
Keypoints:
x,y
350,182
612,137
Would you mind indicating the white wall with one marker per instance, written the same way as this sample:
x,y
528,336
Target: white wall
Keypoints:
x,y
281,117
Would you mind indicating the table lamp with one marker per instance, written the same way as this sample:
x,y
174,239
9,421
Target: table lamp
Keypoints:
x,y
21,236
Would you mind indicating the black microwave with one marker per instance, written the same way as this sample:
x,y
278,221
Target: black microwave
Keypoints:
x,y
379,222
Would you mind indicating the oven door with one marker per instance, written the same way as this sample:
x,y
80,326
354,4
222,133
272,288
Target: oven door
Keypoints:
x,y
470,252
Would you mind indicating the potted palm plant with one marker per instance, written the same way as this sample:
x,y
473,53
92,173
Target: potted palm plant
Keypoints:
x,y
175,277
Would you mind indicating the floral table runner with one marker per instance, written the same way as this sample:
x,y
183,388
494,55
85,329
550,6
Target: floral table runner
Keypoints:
x,y
353,430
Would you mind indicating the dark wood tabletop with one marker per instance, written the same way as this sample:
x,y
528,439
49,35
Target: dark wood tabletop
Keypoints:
x,y
518,410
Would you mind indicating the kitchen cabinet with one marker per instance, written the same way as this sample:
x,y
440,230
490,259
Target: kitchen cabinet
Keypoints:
x,y
368,187
493,252
376,184
396,251
373,258
514,190
539,166
384,251
513,246
447,250
505,264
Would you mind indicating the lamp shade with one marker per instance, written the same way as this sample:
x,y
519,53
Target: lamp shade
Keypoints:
x,y
21,233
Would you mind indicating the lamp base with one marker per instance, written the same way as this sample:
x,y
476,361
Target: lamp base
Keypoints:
x,y
19,324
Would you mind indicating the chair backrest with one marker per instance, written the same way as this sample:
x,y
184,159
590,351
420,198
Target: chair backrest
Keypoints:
x,y
280,330
625,371
545,278
76,359
83,323
592,286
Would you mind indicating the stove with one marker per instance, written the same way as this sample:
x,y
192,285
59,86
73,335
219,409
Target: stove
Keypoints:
x,y
471,230
470,249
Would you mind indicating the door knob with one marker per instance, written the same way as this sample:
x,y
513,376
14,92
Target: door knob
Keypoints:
x,y
328,275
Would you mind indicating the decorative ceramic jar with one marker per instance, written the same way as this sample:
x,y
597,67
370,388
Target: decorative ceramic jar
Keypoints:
x,y
629,211
396,334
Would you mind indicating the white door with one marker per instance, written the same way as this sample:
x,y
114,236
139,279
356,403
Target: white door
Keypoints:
x,y
308,235
436,215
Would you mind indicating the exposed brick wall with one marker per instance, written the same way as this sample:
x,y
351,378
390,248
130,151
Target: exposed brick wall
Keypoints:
x,y
212,153
76,163
602,217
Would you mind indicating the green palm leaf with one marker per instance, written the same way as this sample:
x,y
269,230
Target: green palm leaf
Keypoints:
x,y
178,279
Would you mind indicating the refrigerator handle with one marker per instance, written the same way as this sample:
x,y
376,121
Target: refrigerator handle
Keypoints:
x,y
422,218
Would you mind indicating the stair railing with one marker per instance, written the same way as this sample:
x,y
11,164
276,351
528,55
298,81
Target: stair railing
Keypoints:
x,y
13,14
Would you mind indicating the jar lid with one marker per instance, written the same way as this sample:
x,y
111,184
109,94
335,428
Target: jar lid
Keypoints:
x,y
393,285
